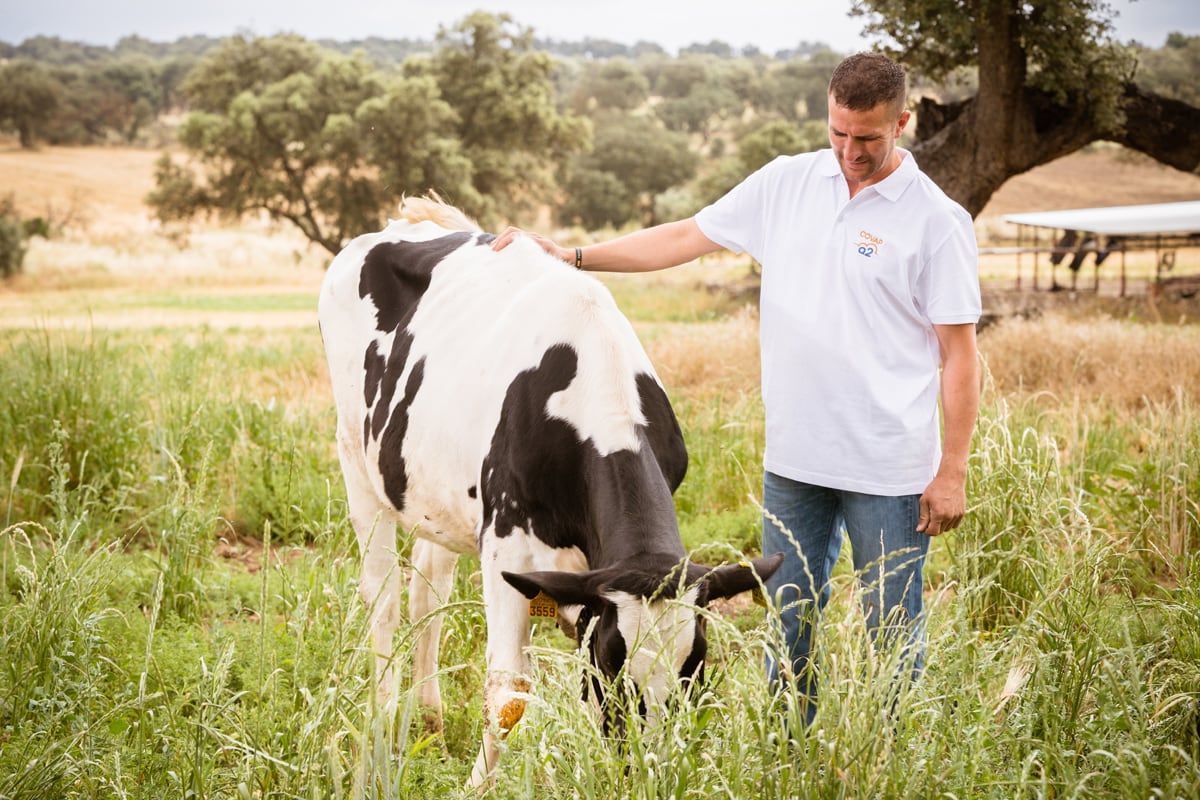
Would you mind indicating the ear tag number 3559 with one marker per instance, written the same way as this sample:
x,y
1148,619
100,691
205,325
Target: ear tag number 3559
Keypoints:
x,y
543,606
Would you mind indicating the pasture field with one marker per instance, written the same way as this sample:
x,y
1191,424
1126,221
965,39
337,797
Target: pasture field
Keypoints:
x,y
179,613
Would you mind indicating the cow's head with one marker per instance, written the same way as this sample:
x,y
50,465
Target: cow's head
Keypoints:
x,y
644,617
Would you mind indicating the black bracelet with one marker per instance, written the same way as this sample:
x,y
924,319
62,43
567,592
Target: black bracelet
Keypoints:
x,y
578,258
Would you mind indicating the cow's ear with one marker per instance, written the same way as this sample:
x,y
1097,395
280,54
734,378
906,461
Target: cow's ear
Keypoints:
x,y
737,578
567,588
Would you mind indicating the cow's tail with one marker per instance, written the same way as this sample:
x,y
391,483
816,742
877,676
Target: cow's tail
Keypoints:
x,y
432,208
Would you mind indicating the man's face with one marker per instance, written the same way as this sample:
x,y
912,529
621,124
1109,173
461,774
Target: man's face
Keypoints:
x,y
865,141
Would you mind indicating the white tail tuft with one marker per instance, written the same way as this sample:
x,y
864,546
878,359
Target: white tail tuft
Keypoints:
x,y
433,209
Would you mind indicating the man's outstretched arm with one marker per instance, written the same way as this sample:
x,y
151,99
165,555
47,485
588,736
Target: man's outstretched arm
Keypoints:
x,y
660,247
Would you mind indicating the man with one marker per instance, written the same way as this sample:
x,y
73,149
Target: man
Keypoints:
x,y
869,285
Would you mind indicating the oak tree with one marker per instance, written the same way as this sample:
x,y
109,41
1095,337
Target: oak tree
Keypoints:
x,y
314,138
1051,79
502,92
330,143
29,95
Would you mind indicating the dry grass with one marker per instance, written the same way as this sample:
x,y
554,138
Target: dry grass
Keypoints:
x,y
81,184
1093,360
716,359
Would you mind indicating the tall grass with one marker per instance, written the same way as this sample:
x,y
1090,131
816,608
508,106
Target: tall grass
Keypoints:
x,y
140,660
132,417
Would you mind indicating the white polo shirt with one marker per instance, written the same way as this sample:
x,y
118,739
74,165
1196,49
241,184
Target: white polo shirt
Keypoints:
x,y
851,289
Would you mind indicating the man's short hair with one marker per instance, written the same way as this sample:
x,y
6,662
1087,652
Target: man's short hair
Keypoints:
x,y
864,80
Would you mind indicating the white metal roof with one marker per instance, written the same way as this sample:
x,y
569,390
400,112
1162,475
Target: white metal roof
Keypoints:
x,y
1119,220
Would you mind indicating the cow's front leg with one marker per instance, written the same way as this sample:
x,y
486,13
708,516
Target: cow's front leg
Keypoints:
x,y
429,587
506,687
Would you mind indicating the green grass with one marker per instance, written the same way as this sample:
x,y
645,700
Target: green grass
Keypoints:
x,y
141,660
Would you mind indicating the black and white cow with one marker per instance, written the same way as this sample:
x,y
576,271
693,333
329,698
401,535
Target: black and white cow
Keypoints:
x,y
498,404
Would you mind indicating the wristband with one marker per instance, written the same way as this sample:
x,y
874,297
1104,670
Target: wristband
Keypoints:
x,y
578,258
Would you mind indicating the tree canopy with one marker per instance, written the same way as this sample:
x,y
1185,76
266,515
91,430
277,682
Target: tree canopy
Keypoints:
x,y
502,92
330,144
1050,80
284,127
29,95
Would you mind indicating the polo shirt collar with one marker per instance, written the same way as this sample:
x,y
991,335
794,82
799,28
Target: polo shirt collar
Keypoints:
x,y
891,187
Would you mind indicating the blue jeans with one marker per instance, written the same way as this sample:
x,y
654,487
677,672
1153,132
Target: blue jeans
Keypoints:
x,y
885,545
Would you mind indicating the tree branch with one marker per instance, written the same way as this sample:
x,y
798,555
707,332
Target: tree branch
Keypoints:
x,y
970,161
1164,129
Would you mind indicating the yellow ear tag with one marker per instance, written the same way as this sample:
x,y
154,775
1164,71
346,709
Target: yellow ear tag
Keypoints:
x,y
756,594
543,606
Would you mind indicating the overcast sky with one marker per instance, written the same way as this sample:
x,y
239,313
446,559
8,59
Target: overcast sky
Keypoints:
x,y
768,24
771,25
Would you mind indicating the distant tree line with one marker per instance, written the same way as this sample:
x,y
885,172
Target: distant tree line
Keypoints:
x,y
328,135
481,113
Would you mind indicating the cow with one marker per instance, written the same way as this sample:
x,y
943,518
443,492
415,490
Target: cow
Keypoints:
x,y
498,404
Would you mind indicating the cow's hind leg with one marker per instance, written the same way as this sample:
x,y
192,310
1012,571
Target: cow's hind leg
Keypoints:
x,y
429,587
375,527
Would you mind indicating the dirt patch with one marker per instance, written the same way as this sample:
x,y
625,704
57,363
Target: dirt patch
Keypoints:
x,y
1143,306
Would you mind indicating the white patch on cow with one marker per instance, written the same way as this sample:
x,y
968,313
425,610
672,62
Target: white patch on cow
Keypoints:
x,y
659,636
606,379
461,317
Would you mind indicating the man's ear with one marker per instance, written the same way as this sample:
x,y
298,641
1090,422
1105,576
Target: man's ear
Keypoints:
x,y
737,578
566,588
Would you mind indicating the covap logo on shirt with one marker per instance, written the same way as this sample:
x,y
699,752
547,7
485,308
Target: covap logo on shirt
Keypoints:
x,y
868,245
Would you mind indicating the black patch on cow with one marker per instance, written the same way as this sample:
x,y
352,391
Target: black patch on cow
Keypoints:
x,y
374,366
485,239
662,430
533,475
381,379
395,275
608,656
540,476
391,443
693,665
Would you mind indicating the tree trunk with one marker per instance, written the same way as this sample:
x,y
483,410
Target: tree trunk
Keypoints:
x,y
971,148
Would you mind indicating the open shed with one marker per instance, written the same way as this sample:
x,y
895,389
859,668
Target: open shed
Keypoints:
x,y
1075,234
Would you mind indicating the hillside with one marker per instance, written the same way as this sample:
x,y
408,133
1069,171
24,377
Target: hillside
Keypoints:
x,y
100,184
1101,175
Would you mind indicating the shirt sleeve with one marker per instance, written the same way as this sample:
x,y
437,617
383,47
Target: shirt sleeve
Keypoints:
x,y
735,220
949,284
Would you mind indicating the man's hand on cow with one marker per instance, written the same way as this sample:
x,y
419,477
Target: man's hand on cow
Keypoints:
x,y
943,505
506,237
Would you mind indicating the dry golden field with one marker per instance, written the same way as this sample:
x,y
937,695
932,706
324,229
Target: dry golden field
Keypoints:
x,y
94,182
114,266
98,193
1102,175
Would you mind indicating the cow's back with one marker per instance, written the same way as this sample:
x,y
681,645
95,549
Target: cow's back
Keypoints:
x,y
430,335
